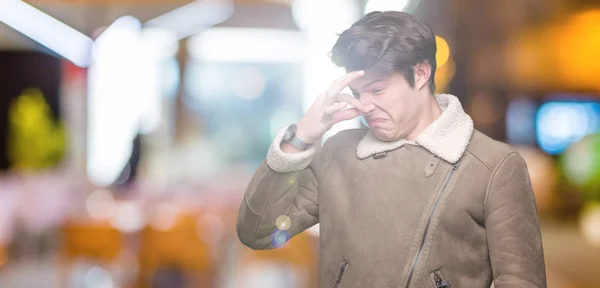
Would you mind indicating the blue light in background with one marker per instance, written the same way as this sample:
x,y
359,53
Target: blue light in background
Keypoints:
x,y
559,124
520,122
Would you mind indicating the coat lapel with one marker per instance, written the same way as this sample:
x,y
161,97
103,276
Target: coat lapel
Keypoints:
x,y
447,137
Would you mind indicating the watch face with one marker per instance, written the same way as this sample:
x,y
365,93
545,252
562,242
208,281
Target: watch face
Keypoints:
x,y
289,133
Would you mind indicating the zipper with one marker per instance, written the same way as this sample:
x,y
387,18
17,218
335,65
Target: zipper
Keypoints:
x,y
439,280
435,204
339,278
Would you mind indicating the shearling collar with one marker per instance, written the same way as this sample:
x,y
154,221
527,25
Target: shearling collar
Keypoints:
x,y
447,137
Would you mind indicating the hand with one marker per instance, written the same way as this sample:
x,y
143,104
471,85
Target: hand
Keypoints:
x,y
328,109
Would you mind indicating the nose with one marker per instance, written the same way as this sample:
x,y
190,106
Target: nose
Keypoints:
x,y
367,102
365,99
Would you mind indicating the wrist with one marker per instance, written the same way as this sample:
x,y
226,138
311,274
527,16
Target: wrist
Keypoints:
x,y
302,135
286,147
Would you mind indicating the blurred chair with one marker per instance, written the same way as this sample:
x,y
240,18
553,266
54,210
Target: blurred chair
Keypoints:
x,y
300,252
174,252
95,241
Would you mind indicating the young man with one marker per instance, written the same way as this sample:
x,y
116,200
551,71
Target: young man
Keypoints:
x,y
420,199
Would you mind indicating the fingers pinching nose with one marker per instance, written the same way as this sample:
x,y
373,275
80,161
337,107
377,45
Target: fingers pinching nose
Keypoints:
x,y
368,109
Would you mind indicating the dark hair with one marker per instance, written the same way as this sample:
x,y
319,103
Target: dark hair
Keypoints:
x,y
386,42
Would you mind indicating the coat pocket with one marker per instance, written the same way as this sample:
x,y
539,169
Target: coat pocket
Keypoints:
x,y
439,281
340,274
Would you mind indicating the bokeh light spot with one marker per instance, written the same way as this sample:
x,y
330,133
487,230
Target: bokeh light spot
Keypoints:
x,y
283,222
279,237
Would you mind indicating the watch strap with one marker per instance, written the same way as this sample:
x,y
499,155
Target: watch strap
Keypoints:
x,y
296,142
291,138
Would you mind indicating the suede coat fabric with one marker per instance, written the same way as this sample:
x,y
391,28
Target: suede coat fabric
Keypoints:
x,y
454,208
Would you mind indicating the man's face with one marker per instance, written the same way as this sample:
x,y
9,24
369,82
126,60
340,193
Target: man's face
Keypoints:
x,y
398,105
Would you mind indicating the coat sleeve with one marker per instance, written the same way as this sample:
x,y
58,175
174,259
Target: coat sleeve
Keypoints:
x,y
281,199
512,227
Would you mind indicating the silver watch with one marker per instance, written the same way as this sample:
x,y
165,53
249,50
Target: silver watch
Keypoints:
x,y
290,137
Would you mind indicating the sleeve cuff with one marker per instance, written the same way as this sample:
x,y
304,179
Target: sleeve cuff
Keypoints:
x,y
288,162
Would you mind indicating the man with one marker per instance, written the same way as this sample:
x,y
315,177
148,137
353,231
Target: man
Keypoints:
x,y
420,199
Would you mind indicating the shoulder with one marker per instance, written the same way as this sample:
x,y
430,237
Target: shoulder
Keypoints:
x,y
345,140
489,152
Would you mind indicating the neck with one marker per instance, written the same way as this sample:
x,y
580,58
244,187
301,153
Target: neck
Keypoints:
x,y
431,112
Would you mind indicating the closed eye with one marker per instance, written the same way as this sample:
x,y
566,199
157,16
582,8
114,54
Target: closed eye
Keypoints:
x,y
378,91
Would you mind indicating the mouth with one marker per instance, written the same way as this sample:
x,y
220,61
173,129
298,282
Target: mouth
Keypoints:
x,y
374,121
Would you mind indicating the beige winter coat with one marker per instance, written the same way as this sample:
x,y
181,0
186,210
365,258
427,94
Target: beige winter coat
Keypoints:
x,y
452,208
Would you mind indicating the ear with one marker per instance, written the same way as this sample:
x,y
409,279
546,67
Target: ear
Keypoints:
x,y
422,73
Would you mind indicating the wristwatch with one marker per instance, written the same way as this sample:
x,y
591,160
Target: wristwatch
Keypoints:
x,y
290,137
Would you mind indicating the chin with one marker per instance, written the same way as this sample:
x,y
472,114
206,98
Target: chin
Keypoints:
x,y
387,134
383,135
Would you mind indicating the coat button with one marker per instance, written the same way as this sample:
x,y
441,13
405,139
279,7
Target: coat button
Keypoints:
x,y
380,155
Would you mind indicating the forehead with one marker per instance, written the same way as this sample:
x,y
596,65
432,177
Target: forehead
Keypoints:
x,y
363,82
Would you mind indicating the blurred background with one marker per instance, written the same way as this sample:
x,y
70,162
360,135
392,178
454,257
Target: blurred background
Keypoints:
x,y
129,129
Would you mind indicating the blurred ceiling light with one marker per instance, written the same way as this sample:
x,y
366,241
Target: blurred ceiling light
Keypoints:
x,y
248,45
113,117
124,30
322,21
386,5
194,17
125,82
324,17
156,46
158,43
49,32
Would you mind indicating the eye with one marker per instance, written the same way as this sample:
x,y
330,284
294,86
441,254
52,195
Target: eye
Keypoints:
x,y
378,91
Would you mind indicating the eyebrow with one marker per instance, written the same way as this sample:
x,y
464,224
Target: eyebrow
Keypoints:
x,y
371,83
